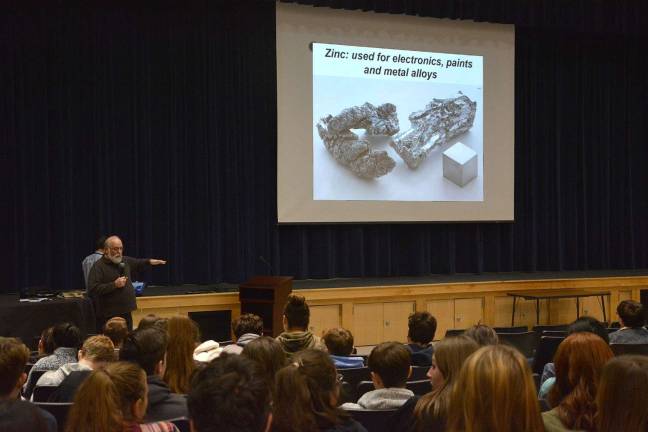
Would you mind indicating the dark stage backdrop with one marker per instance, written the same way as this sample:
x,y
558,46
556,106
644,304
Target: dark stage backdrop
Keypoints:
x,y
157,121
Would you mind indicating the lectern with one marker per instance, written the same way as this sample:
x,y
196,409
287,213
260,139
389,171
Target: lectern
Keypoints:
x,y
266,296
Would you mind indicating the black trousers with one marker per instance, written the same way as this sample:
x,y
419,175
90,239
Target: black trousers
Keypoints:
x,y
101,321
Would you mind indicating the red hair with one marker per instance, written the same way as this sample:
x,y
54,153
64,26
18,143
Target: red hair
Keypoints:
x,y
579,362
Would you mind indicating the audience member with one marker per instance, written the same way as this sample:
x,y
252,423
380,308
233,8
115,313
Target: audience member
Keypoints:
x,y
148,348
13,415
389,363
89,261
632,316
579,362
495,392
116,329
482,334
67,339
113,399
269,356
150,320
622,397
296,336
184,336
95,353
583,324
46,343
339,343
431,412
230,395
307,394
246,328
421,329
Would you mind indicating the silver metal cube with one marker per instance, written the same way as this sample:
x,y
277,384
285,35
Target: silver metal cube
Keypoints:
x,y
460,164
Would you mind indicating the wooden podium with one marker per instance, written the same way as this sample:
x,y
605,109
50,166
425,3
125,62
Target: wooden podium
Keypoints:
x,y
266,296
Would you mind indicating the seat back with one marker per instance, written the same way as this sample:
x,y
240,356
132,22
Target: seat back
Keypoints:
x,y
42,393
373,421
558,327
182,423
545,352
419,387
419,373
454,332
516,329
347,393
621,349
58,410
364,387
555,333
524,342
353,376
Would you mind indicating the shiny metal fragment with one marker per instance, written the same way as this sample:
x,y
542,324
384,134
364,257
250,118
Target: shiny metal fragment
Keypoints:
x,y
439,122
355,152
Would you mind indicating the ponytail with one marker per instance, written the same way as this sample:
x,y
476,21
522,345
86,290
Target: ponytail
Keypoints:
x,y
96,406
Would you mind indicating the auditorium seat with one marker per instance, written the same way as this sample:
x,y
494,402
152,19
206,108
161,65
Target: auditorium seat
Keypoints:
x,y
58,410
42,393
545,352
516,329
373,421
347,393
364,387
419,387
419,373
558,327
621,349
524,342
182,423
555,333
454,332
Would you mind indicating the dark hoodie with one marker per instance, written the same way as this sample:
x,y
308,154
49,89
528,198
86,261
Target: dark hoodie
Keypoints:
x,y
162,404
293,342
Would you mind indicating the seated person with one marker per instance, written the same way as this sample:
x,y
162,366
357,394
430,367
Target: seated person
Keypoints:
x,y
95,353
339,342
229,394
246,328
632,316
67,339
420,334
151,320
116,329
15,415
148,348
482,334
390,367
296,336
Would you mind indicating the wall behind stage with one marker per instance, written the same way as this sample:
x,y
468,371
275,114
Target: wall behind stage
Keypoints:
x,y
158,122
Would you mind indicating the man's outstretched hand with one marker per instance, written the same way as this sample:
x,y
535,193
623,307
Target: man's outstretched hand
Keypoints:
x,y
155,262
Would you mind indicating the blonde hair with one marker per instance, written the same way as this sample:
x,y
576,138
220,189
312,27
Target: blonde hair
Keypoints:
x,y
104,402
449,355
183,336
99,348
495,392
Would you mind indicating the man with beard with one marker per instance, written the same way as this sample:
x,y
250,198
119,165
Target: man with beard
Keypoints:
x,y
110,286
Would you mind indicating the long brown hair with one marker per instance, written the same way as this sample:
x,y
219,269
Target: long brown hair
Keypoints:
x,y
495,392
104,402
183,336
622,396
307,390
579,362
270,357
449,356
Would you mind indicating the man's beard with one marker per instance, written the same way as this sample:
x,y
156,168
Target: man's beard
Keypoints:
x,y
115,259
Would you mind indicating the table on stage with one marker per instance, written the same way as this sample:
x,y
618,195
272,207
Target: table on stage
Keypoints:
x,y
557,294
26,320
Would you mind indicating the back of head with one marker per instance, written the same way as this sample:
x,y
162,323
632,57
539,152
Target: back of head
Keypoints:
x,y
99,349
482,334
391,362
421,327
307,391
622,395
116,329
106,398
338,341
183,338
13,358
589,325
247,323
46,343
297,312
148,321
100,244
21,416
632,313
229,394
66,335
268,354
579,362
497,393
145,347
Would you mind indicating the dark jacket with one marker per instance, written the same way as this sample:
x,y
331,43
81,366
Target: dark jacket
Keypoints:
x,y
162,404
109,300
421,356
68,388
